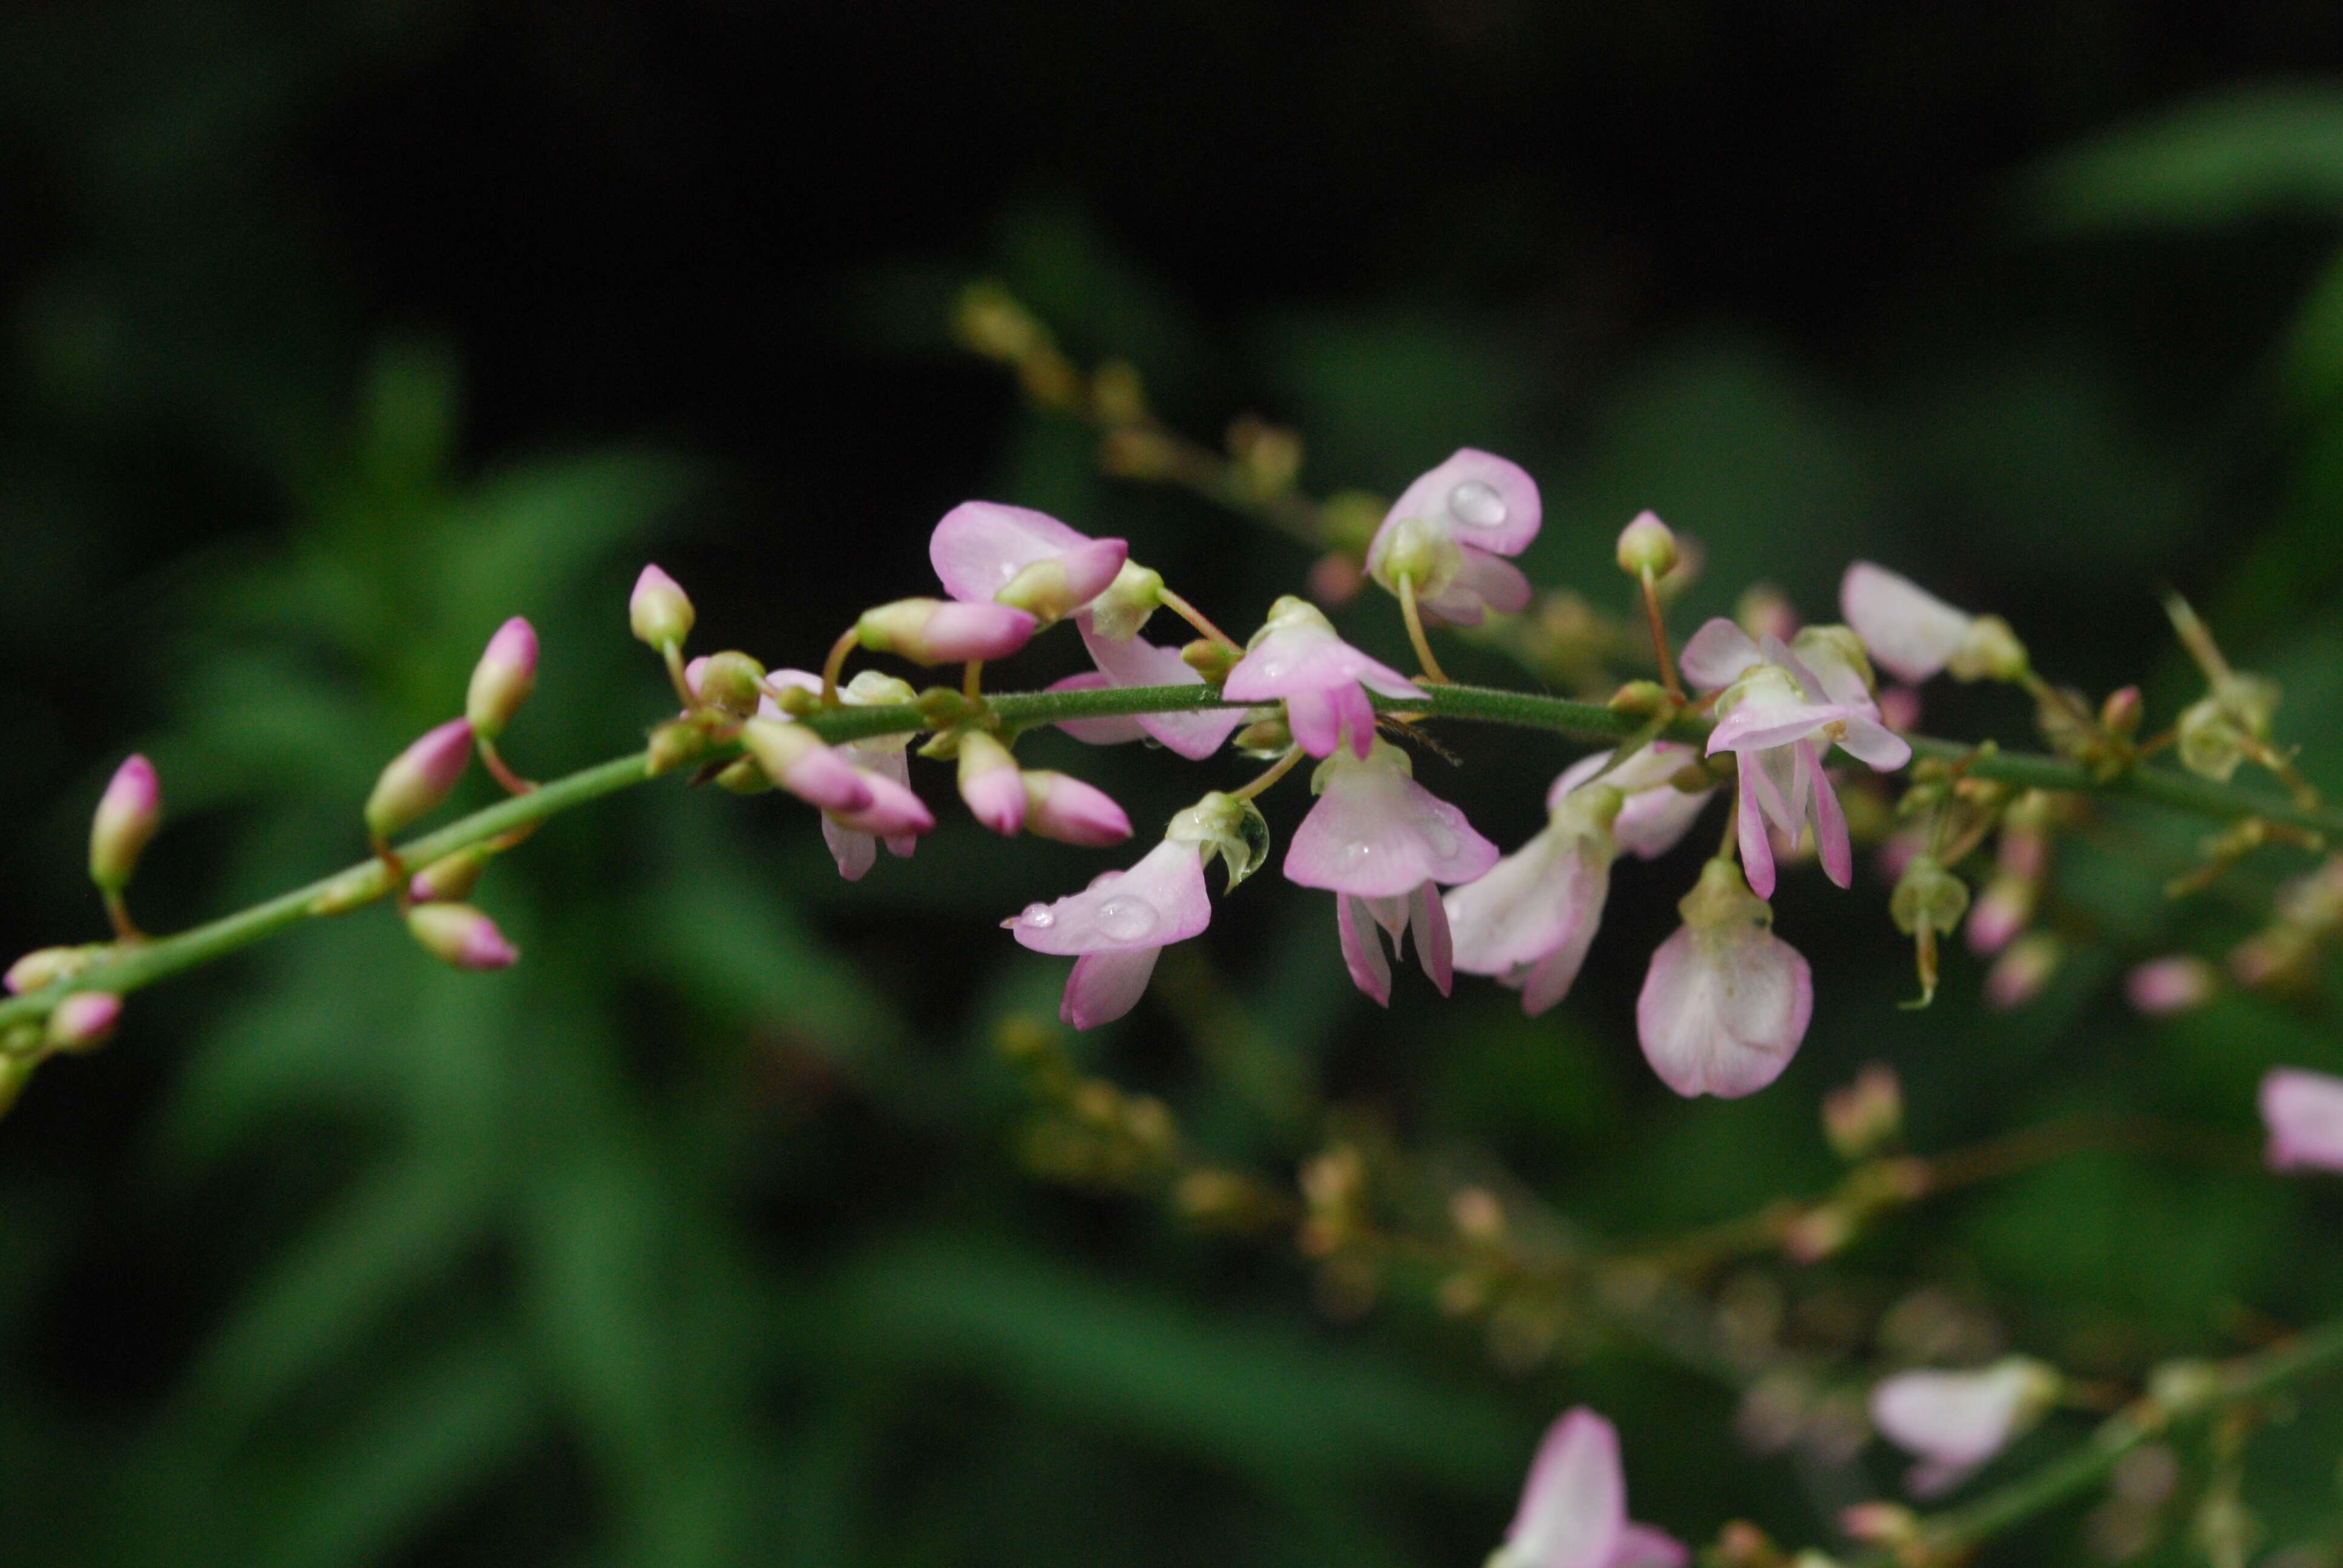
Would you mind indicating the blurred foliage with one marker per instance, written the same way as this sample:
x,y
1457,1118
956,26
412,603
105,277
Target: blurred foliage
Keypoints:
x,y
341,332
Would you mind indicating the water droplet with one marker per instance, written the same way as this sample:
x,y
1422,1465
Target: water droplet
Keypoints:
x,y
1477,503
1126,919
1443,840
1037,916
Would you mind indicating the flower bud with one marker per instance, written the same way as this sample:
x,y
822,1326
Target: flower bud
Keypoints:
x,y
1211,660
2212,744
2120,715
679,743
943,631
1118,613
460,935
2024,967
795,758
990,783
44,966
1072,812
15,1071
420,777
744,777
1266,738
449,877
1990,651
2000,912
727,681
1864,1116
1899,709
83,1019
894,811
1648,545
658,610
1887,1525
503,679
1336,579
1765,610
2170,985
1055,587
127,815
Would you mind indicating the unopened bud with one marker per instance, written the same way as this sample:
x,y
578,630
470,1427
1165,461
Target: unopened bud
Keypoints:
x,y
460,935
1210,658
2024,967
15,1071
1763,611
991,321
2120,714
1336,579
730,682
679,743
1644,698
1134,452
1647,545
659,611
1266,738
44,966
1741,1544
420,777
991,783
2169,985
795,758
1055,587
1072,812
1990,651
1879,1523
450,878
1866,1116
503,679
83,1019
943,631
2000,912
127,815
744,777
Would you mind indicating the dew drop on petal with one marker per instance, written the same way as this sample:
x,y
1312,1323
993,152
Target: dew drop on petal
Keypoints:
x,y
1476,505
1037,916
1126,919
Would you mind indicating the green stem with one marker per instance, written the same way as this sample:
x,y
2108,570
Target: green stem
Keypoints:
x,y
131,968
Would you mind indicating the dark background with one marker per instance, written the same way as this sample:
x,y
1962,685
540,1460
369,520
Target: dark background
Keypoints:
x,y
336,333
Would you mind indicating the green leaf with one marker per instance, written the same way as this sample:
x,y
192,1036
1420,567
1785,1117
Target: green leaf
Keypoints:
x,y
2258,152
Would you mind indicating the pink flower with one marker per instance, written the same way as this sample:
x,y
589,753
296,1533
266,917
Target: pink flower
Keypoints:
x,y
1447,531
2171,985
1778,705
1116,926
1135,661
1296,657
893,813
983,551
503,679
1573,1508
83,1019
2304,1113
1070,812
460,935
1529,920
1956,1421
127,815
944,631
1913,634
1380,842
1656,815
1725,1002
990,784
659,611
420,777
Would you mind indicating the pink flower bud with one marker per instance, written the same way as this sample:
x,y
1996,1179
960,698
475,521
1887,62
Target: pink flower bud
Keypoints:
x,y
795,758
990,784
83,1019
503,679
1865,1115
1899,707
1071,812
2000,913
460,935
2169,985
2024,967
894,812
659,611
420,777
1648,545
127,815
44,966
2304,1113
449,877
1335,579
944,631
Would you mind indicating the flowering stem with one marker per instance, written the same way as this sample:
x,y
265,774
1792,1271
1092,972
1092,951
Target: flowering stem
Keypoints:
x,y
1414,618
493,760
1197,618
971,679
1660,636
118,914
835,663
671,653
133,968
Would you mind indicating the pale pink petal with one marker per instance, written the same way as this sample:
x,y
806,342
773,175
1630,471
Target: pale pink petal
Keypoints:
x,y
1717,655
1072,812
1959,1419
997,799
980,545
891,811
2304,1113
855,852
1377,833
1761,727
1640,1546
1551,978
1869,741
1756,848
1304,658
1357,715
1156,902
1723,1011
1136,661
1092,568
1433,949
1486,582
1911,633
1480,499
1517,911
1656,814
1363,947
1112,731
1573,1509
1831,840
2170,985
1315,721
1105,985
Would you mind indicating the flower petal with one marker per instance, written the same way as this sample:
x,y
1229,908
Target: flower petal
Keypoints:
x,y
1138,662
980,545
1433,949
1640,1546
1363,947
1377,833
1869,741
1106,985
1831,839
1716,655
1156,902
1574,1507
1756,848
855,852
1721,1011
2304,1113
1112,731
1478,498
1912,634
